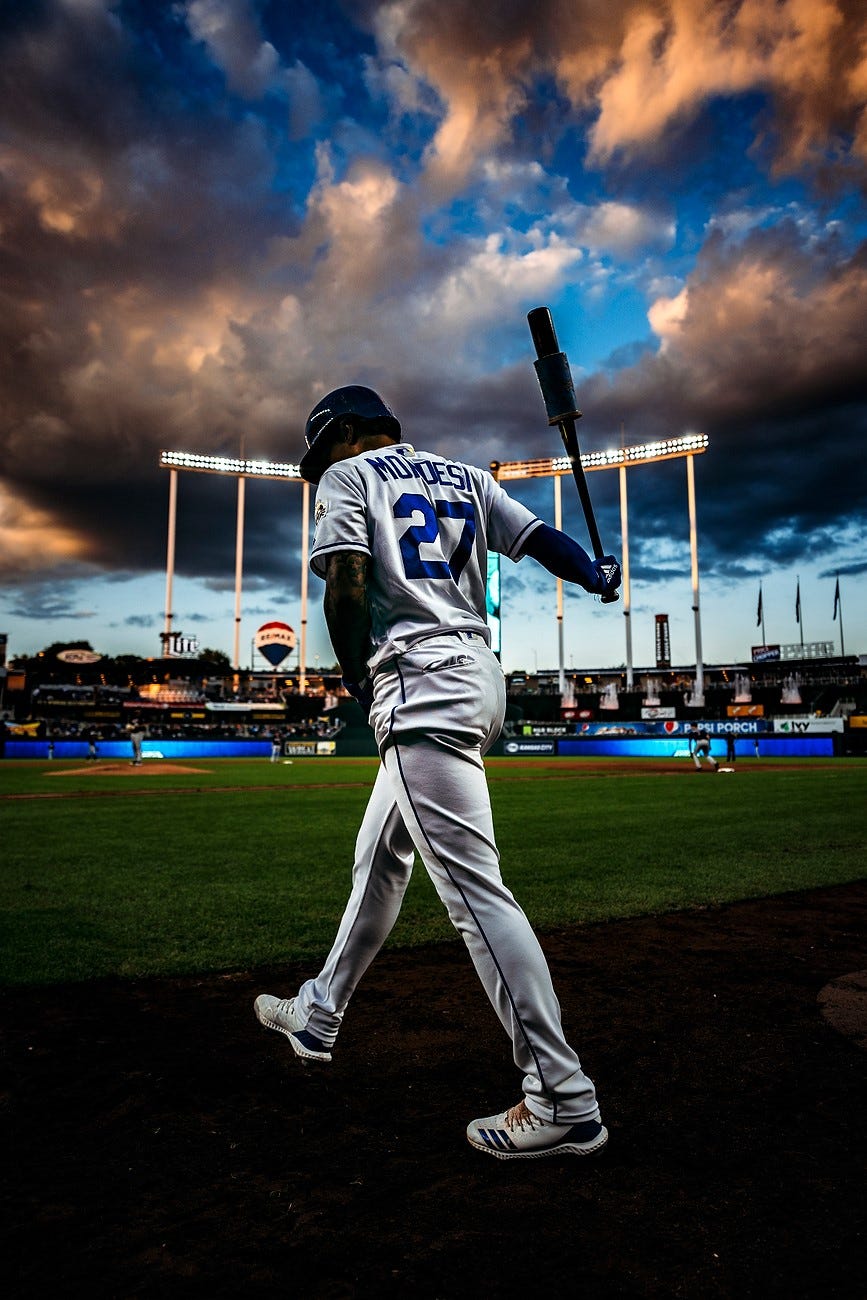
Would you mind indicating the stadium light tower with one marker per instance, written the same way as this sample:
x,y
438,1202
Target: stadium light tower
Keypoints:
x,y
622,458
242,469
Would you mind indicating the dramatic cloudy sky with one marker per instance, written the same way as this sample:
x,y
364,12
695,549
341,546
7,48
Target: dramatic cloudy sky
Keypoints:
x,y
213,211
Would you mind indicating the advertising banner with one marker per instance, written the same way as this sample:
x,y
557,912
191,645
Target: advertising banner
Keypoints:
x,y
235,706
672,727
780,746
653,712
274,641
78,656
765,653
745,710
515,747
177,646
807,726
22,728
663,642
308,748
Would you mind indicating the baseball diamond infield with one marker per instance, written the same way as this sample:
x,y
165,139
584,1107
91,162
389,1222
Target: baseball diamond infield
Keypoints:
x,y
162,1143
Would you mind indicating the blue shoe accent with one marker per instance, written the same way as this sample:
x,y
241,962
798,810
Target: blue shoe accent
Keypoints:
x,y
498,1138
279,1014
310,1041
587,1131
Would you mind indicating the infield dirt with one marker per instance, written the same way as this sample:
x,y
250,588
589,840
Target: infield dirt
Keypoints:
x,y
160,1142
129,769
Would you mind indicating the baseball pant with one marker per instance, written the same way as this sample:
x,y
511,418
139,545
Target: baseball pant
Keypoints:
x,y
437,709
702,750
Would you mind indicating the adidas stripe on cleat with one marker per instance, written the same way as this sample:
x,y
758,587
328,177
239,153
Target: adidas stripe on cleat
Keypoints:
x,y
518,1134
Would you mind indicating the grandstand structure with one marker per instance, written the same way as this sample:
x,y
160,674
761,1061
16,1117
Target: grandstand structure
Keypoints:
x,y
825,687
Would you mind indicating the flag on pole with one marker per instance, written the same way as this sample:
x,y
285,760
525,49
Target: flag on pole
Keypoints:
x,y
798,602
759,610
836,598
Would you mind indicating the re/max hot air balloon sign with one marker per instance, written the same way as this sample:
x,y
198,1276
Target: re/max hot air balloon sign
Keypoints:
x,y
274,641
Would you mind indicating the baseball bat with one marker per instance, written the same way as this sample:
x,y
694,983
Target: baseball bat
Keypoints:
x,y
555,380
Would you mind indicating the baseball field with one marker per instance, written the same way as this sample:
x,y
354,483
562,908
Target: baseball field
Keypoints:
x,y
706,933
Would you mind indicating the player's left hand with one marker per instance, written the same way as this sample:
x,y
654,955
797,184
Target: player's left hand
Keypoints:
x,y
608,575
362,692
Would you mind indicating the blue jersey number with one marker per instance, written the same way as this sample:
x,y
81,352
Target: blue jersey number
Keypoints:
x,y
432,511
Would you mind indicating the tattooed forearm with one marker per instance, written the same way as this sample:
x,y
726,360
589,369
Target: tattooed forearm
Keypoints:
x,y
347,613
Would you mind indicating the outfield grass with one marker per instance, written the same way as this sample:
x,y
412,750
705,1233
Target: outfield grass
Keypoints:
x,y
247,863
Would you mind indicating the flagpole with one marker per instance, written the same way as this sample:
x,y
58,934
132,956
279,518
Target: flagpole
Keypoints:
x,y
798,611
838,605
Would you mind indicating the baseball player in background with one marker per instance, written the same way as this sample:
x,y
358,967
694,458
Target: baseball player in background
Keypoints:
x,y
401,540
699,747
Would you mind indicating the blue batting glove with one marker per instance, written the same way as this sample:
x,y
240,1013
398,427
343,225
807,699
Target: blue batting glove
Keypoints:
x,y
362,692
608,575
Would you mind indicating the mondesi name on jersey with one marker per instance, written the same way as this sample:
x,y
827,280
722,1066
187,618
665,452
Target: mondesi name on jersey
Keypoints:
x,y
443,473
427,523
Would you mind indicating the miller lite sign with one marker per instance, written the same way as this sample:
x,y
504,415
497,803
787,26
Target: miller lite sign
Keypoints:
x,y
177,646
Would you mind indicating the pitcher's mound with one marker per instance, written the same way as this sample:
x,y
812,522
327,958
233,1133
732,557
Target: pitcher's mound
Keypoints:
x,y
128,769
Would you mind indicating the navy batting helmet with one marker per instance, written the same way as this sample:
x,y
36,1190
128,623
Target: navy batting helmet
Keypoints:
x,y
323,423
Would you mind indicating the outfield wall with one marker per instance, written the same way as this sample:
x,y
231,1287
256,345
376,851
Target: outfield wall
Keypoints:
x,y
652,747
121,749
769,746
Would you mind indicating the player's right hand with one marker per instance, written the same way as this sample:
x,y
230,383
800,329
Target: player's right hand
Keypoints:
x,y
608,575
362,692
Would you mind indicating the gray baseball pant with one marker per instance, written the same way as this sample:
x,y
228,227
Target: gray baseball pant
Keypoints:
x,y
438,708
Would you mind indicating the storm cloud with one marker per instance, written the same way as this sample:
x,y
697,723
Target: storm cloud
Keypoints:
x,y
214,211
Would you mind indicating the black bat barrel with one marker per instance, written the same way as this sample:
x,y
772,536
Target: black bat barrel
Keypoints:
x,y
542,330
552,368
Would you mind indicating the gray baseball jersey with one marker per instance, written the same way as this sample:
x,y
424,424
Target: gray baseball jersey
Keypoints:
x,y
428,523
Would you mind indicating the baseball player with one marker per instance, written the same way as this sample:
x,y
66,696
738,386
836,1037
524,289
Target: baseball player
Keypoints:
x,y
136,736
699,747
401,540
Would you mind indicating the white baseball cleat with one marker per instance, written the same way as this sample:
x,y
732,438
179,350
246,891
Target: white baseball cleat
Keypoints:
x,y
279,1014
518,1134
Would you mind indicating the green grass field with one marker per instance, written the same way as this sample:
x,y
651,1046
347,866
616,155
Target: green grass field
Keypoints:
x,y
242,864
